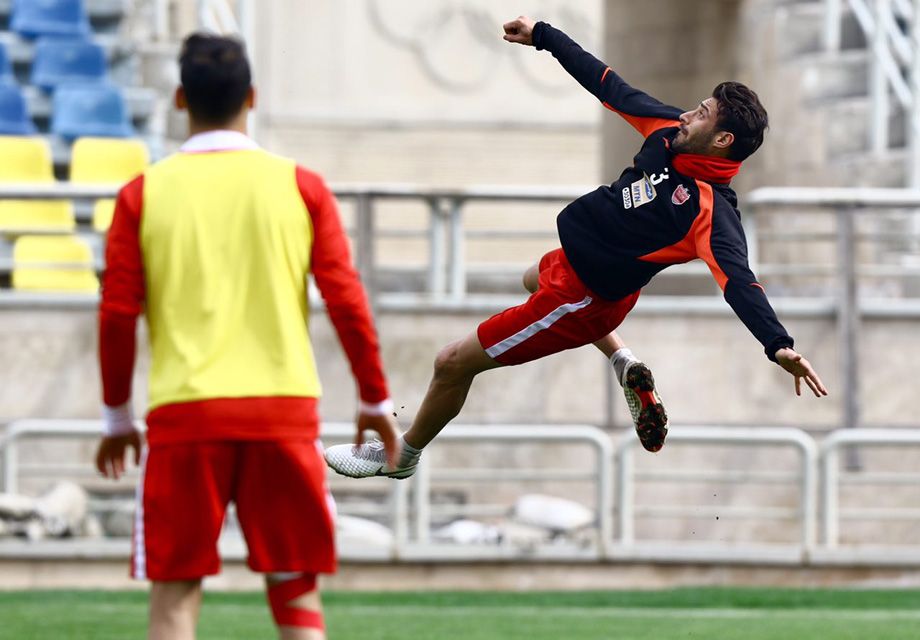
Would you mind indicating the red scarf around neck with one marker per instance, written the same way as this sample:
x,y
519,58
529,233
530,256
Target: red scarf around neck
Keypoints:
x,y
706,168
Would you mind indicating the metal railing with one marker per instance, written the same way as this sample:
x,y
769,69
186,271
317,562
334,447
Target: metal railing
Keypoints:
x,y
805,515
848,306
406,506
413,511
891,29
831,481
446,236
442,283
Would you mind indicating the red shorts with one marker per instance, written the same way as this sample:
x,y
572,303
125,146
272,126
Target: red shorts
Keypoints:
x,y
282,504
562,314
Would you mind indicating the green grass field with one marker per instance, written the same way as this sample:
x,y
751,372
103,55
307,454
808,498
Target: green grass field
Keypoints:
x,y
713,614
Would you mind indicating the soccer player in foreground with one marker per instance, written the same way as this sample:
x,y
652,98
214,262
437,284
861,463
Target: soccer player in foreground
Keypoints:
x,y
674,204
214,245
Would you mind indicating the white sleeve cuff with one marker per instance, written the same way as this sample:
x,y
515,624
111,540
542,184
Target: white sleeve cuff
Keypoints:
x,y
376,408
118,421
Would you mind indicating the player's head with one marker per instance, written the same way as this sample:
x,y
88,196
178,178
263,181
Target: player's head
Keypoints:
x,y
216,80
728,124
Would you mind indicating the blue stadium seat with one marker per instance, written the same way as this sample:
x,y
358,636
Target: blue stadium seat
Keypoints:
x,y
90,110
34,18
6,69
58,62
14,115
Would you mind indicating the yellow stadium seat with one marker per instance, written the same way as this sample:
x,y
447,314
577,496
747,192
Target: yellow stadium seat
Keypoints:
x,y
28,161
53,263
25,160
103,212
107,160
37,216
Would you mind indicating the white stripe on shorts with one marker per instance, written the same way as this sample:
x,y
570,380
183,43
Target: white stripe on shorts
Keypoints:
x,y
140,541
543,323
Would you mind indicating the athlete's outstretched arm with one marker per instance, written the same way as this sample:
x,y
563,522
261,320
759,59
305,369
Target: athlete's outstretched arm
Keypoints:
x,y
642,111
724,249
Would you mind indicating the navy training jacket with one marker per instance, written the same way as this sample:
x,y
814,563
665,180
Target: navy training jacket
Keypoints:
x,y
619,236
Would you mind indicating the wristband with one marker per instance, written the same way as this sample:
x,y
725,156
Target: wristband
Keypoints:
x,y
381,408
118,421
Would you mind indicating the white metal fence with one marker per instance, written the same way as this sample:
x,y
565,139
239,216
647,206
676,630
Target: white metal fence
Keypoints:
x,y
407,507
892,30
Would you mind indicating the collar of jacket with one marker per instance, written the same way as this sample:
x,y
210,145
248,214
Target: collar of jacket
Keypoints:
x,y
706,168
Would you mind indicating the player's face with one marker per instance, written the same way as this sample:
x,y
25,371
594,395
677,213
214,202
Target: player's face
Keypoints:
x,y
697,129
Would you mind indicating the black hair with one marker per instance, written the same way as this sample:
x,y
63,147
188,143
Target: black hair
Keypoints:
x,y
215,76
742,114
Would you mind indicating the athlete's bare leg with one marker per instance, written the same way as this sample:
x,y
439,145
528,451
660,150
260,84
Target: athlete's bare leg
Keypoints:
x,y
644,403
454,369
174,608
608,345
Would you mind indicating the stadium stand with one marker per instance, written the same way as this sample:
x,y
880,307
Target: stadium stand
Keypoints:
x,y
106,49
48,55
6,69
28,160
14,114
50,18
53,263
106,161
90,111
59,62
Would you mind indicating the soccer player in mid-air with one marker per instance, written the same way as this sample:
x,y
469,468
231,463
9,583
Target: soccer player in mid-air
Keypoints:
x,y
674,204
214,245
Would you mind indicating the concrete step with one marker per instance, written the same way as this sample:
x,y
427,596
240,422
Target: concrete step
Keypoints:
x,y
847,124
829,75
865,169
800,28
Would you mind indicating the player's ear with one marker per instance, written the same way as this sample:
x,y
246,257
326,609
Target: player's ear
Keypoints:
x,y
251,98
723,140
180,100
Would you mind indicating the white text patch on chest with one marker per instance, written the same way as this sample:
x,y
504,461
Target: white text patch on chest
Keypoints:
x,y
642,191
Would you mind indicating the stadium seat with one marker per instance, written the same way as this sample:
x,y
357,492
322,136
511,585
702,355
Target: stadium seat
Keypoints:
x,y
53,263
36,216
90,110
106,161
61,18
59,62
25,160
6,68
14,115
28,160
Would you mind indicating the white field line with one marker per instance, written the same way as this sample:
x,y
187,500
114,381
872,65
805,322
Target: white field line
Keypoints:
x,y
635,612
868,615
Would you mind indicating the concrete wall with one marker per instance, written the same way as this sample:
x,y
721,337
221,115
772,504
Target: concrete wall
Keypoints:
x,y
710,370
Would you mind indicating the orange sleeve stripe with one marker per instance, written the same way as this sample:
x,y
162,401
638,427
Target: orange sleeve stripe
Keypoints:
x,y
759,286
704,234
606,71
645,126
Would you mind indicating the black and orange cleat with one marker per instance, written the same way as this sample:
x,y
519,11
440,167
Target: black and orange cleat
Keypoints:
x,y
645,406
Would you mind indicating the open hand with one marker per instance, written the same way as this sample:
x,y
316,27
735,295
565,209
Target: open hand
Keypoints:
x,y
110,457
799,367
386,428
520,30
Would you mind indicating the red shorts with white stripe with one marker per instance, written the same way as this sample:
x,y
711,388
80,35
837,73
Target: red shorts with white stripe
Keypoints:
x,y
562,314
283,506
